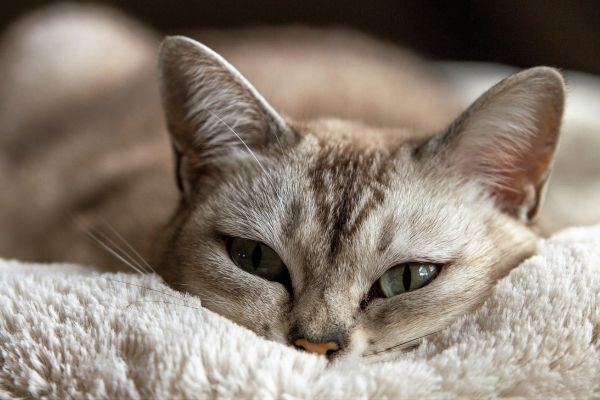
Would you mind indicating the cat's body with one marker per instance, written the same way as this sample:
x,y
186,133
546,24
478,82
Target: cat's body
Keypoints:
x,y
339,202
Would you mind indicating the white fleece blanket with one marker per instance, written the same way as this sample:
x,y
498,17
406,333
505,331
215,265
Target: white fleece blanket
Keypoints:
x,y
66,332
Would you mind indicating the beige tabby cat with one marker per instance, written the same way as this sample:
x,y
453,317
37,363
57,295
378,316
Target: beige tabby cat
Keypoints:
x,y
346,215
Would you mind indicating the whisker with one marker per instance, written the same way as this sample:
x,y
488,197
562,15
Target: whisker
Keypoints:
x,y
239,138
115,254
108,241
123,252
130,247
249,151
163,302
182,284
88,231
401,344
146,288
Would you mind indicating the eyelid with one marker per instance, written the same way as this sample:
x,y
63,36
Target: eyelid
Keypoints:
x,y
224,231
224,234
228,237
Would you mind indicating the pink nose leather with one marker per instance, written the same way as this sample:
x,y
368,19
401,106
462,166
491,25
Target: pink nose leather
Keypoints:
x,y
318,348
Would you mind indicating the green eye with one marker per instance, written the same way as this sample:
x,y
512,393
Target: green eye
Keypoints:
x,y
406,278
257,259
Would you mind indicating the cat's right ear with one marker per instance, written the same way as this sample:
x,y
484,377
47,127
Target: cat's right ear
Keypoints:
x,y
213,113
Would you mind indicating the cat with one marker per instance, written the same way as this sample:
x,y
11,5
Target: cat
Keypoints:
x,y
339,236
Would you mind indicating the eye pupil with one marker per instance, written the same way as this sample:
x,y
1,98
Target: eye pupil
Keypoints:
x,y
256,256
406,278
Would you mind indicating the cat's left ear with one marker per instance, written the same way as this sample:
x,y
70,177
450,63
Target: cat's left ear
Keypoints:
x,y
507,139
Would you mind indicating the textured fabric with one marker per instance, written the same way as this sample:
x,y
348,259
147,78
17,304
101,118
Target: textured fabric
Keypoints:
x,y
66,332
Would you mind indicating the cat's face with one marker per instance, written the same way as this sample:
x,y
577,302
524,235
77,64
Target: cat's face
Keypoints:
x,y
339,238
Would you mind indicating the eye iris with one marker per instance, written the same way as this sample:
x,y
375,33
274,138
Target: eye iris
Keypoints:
x,y
271,266
257,258
392,282
241,252
422,274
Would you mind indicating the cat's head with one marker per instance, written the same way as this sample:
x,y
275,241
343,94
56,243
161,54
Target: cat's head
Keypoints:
x,y
340,238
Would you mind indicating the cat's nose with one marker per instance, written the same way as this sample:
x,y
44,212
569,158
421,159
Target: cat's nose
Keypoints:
x,y
322,348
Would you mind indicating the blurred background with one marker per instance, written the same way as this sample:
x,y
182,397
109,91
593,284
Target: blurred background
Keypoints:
x,y
522,33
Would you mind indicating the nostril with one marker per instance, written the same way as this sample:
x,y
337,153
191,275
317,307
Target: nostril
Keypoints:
x,y
299,344
299,347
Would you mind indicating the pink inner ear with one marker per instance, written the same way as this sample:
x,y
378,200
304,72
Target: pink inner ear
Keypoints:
x,y
517,179
508,137
522,175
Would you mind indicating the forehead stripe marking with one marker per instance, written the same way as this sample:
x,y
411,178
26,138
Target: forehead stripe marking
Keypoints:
x,y
344,180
